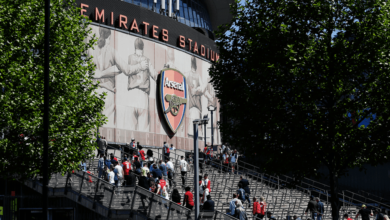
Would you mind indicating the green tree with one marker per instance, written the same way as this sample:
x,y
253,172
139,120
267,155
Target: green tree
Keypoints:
x,y
75,107
297,77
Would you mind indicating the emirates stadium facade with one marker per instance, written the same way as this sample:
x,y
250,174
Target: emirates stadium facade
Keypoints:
x,y
137,39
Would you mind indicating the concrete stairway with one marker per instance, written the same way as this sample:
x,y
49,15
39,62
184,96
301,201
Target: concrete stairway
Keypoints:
x,y
130,202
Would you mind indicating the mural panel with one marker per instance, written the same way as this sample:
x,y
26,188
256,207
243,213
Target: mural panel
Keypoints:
x,y
127,68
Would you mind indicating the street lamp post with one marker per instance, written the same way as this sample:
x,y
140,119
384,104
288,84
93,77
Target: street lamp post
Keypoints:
x,y
205,121
212,109
196,122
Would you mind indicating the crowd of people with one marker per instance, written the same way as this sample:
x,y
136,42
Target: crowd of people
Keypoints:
x,y
158,177
316,209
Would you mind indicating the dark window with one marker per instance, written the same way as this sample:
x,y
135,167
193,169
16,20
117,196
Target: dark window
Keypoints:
x,y
136,2
144,3
192,12
186,14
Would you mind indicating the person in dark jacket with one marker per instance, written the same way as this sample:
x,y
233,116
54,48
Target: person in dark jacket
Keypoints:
x,y
201,160
379,215
176,196
144,181
245,186
208,205
156,172
163,169
320,209
149,154
270,216
132,179
312,207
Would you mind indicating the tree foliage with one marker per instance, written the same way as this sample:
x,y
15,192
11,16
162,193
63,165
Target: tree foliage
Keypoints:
x,y
297,77
75,107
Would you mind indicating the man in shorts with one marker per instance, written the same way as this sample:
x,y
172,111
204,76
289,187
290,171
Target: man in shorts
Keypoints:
x,y
233,160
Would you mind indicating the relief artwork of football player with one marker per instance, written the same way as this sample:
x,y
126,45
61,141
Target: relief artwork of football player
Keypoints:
x,y
196,88
108,65
212,102
139,87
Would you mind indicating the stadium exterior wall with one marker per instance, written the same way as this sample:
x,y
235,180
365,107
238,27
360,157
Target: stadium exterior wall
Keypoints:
x,y
132,104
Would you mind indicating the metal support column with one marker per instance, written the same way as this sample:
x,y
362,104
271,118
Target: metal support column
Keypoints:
x,y
196,169
212,130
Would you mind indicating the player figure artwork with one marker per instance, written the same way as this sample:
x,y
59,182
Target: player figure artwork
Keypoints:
x,y
108,65
196,89
128,70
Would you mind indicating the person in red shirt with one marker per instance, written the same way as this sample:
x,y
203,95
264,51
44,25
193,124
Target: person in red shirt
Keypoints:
x,y
135,156
263,205
207,182
126,169
161,188
89,175
142,155
188,201
256,209
346,217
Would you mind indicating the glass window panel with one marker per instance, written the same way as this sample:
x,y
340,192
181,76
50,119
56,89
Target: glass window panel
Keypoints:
x,y
136,2
185,14
202,14
181,12
150,4
191,17
198,14
194,13
129,1
144,3
158,6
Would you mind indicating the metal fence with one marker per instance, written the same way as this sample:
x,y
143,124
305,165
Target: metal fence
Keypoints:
x,y
282,196
105,198
284,203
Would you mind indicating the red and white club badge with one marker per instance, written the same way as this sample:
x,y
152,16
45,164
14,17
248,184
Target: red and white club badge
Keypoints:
x,y
173,97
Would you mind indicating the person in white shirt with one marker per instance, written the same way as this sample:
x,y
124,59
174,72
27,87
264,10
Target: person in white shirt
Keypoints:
x,y
201,189
120,173
111,176
172,148
206,192
183,169
171,171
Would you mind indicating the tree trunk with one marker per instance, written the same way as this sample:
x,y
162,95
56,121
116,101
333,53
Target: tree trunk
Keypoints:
x,y
334,199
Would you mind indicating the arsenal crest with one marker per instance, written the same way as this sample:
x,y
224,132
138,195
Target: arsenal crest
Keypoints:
x,y
173,96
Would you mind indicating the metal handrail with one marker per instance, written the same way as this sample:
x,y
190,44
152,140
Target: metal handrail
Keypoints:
x,y
327,187
268,180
